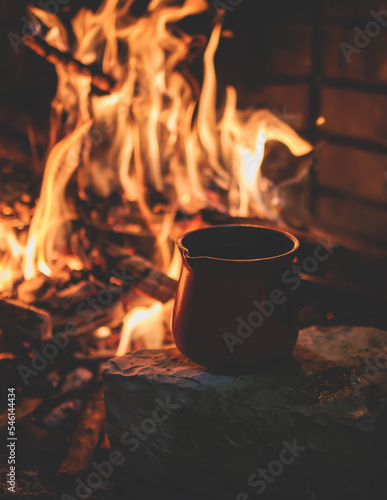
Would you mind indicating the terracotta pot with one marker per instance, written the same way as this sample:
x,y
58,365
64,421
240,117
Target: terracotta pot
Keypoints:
x,y
233,311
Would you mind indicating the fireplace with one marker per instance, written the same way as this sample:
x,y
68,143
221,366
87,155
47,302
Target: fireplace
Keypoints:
x,y
124,125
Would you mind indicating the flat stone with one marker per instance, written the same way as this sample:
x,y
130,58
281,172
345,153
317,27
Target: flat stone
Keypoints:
x,y
177,423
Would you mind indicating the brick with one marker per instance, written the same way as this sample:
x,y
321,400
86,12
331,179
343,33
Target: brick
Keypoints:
x,y
289,51
360,173
345,218
282,50
355,114
289,101
368,66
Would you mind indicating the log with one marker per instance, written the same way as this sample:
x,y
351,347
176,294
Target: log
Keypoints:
x,y
103,83
20,323
64,300
110,315
63,305
86,438
216,431
41,291
150,281
84,304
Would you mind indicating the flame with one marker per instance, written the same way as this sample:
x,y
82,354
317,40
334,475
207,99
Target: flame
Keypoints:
x,y
155,137
157,131
142,322
148,323
51,211
11,255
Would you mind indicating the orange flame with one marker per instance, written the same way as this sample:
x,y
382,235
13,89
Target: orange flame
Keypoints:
x,y
149,323
152,131
11,254
142,322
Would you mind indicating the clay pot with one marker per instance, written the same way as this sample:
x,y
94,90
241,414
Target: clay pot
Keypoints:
x,y
233,311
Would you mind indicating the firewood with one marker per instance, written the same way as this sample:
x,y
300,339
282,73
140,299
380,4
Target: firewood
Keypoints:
x,y
23,323
86,438
103,83
110,315
63,305
66,299
29,291
150,281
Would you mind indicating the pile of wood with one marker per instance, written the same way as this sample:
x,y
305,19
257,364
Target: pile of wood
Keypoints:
x,y
53,350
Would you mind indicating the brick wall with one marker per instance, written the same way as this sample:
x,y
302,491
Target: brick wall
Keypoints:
x,y
299,62
353,100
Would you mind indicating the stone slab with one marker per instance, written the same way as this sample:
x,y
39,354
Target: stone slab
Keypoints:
x,y
176,423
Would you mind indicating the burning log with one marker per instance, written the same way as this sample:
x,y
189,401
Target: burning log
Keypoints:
x,y
87,435
110,316
150,281
70,297
23,323
90,304
103,83
86,305
30,290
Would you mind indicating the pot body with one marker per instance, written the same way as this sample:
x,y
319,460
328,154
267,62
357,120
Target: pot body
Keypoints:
x,y
233,310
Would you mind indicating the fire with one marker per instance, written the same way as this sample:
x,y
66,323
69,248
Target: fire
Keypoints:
x,y
149,323
11,254
144,322
51,211
154,131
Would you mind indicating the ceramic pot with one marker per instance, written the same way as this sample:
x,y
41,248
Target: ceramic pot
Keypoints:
x,y
234,311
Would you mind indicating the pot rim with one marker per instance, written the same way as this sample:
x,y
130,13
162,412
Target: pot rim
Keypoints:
x,y
185,250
